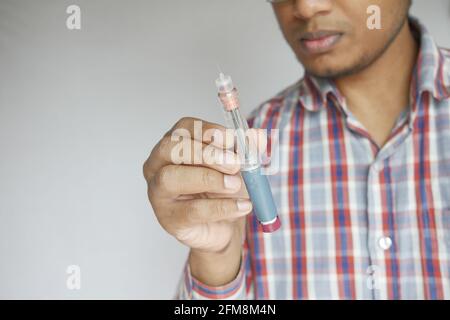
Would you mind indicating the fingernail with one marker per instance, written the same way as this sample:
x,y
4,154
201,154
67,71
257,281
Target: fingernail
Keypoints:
x,y
244,205
231,182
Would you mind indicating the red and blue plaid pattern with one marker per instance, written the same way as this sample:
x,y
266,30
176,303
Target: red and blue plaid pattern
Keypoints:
x,y
358,221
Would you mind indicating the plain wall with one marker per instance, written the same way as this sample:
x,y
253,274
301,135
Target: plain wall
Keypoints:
x,y
80,111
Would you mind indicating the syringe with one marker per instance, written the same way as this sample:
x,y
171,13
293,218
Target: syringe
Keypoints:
x,y
257,184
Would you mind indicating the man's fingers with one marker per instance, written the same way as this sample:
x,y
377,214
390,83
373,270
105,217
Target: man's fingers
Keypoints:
x,y
183,150
241,194
211,210
175,180
203,131
192,141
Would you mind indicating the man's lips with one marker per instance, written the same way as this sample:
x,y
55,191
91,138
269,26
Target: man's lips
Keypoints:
x,y
319,42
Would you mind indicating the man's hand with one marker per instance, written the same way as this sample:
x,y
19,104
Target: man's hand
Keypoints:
x,y
201,205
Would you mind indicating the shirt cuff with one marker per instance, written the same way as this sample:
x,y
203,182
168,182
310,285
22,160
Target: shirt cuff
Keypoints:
x,y
195,289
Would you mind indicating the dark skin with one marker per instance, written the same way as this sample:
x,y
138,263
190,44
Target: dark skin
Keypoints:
x,y
364,63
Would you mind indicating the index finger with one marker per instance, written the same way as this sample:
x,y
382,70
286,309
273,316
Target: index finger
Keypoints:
x,y
203,131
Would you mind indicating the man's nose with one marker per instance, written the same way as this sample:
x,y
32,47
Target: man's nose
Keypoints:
x,y
307,9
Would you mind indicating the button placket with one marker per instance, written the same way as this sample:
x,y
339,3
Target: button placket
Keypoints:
x,y
375,230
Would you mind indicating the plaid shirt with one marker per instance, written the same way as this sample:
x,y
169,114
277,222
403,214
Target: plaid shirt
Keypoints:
x,y
358,221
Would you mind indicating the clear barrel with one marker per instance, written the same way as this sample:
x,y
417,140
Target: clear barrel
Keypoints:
x,y
246,142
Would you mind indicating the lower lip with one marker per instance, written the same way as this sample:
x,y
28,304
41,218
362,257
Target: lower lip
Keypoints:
x,y
320,45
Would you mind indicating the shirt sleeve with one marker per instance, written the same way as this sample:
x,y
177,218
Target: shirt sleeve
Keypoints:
x,y
189,288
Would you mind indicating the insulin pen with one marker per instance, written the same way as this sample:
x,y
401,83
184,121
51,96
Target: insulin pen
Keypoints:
x,y
256,182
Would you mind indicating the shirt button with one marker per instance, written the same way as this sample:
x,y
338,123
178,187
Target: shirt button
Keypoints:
x,y
385,243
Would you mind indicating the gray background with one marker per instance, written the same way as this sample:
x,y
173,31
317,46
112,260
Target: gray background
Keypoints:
x,y
81,110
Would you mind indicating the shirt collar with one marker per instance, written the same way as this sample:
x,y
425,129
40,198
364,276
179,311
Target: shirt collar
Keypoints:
x,y
314,92
431,74
432,70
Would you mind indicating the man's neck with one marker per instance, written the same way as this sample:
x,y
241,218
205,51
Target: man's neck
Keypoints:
x,y
379,93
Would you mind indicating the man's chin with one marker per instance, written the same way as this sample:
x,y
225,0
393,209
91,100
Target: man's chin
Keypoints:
x,y
333,72
325,72
325,67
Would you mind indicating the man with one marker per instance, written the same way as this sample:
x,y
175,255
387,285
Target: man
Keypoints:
x,y
363,190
